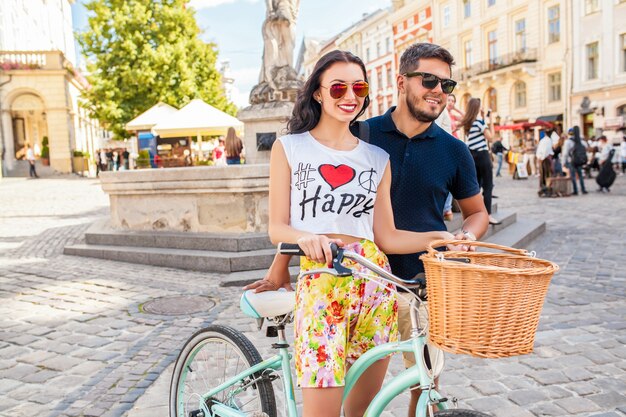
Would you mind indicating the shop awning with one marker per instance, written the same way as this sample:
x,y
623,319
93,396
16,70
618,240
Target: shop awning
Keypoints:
x,y
150,117
195,119
551,118
525,125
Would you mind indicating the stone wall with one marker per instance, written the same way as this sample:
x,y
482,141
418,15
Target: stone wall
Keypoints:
x,y
230,199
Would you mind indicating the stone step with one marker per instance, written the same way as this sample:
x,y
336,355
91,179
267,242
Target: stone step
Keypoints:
x,y
457,221
100,233
519,234
506,218
196,260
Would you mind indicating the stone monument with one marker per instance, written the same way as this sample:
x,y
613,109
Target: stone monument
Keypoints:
x,y
271,100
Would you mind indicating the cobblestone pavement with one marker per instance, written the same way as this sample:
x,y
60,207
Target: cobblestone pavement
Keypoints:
x,y
75,342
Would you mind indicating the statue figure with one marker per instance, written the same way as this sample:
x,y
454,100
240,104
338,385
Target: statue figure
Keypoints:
x,y
278,80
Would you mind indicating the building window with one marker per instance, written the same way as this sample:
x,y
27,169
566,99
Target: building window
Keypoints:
x,y
591,6
388,45
520,35
467,54
592,61
379,79
389,77
622,43
378,51
520,94
554,87
554,24
492,99
381,106
367,54
491,3
446,16
467,8
465,100
492,41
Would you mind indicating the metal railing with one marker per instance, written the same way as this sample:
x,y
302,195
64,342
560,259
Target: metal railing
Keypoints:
x,y
527,55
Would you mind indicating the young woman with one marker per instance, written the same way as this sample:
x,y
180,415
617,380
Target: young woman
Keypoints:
x,y
233,147
328,186
478,136
455,115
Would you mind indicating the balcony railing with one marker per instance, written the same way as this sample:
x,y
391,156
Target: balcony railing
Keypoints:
x,y
29,60
519,57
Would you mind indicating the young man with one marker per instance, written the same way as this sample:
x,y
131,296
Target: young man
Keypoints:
x,y
426,163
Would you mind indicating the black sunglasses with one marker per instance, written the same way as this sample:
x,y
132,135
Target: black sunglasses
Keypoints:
x,y
430,81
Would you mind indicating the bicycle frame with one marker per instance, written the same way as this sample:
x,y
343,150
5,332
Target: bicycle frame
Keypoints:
x,y
408,378
398,384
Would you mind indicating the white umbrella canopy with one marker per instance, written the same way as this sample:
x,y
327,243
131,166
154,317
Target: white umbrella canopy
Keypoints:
x,y
197,119
149,118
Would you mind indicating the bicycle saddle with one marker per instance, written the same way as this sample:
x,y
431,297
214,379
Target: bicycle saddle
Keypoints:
x,y
267,303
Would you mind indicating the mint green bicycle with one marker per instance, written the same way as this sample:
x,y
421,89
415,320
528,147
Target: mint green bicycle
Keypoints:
x,y
219,372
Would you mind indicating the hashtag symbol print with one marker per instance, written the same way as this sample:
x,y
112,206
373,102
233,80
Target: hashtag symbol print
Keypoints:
x,y
302,175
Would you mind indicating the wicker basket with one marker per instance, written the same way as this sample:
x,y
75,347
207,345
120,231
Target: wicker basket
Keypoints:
x,y
485,304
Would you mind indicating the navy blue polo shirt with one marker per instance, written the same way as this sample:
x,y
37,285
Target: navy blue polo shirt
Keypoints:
x,y
424,169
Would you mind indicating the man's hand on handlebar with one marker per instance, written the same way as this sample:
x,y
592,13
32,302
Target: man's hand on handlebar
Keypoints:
x,y
277,276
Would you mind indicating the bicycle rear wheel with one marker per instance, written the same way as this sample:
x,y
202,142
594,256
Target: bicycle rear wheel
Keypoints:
x,y
210,357
460,413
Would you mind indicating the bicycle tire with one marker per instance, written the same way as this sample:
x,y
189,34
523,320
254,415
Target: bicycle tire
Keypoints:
x,y
201,363
460,413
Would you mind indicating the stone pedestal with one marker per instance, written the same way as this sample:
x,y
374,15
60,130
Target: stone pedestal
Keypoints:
x,y
263,123
230,199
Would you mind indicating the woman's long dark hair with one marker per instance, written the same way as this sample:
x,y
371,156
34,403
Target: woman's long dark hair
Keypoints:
x,y
471,113
307,111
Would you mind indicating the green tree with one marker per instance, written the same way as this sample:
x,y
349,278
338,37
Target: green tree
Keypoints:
x,y
140,52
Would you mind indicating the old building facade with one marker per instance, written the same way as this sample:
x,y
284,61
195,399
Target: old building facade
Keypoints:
x,y
599,67
40,86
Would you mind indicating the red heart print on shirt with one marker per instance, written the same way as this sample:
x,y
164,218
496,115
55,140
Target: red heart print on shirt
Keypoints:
x,y
336,176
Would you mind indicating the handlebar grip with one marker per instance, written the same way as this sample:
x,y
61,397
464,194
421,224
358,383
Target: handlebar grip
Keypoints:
x,y
290,249
294,249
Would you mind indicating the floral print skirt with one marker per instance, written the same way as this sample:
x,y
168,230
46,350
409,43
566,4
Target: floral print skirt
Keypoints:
x,y
337,319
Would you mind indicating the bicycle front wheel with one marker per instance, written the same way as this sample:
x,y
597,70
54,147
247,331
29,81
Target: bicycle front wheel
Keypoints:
x,y
209,358
460,413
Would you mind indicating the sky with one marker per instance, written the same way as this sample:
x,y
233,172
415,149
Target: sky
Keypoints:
x,y
235,27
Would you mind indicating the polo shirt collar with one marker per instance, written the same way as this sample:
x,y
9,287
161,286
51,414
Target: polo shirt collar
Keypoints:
x,y
388,125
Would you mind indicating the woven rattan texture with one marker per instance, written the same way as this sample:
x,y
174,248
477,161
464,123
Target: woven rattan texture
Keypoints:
x,y
487,305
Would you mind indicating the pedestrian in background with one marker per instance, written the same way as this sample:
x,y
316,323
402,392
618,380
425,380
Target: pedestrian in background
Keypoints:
x,y
530,150
575,157
126,157
455,115
30,157
622,149
98,162
233,147
544,156
498,150
109,159
478,135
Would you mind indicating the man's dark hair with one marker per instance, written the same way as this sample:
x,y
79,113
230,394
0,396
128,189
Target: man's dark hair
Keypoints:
x,y
410,58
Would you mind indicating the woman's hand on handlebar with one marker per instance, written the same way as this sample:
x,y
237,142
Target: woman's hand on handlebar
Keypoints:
x,y
317,247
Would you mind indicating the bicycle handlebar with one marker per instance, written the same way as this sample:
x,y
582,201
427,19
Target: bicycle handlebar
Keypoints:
x,y
341,271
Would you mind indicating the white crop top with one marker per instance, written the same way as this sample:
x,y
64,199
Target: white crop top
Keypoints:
x,y
333,191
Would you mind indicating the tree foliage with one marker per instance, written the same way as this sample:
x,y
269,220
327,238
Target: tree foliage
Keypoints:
x,y
140,52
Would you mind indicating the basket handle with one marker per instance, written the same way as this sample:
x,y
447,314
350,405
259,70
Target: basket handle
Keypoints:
x,y
430,248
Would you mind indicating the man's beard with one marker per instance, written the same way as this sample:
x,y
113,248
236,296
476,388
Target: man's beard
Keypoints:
x,y
418,114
